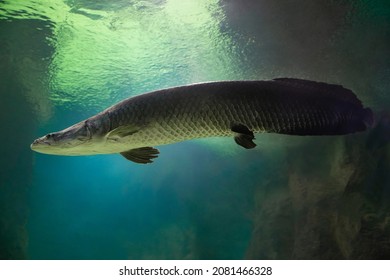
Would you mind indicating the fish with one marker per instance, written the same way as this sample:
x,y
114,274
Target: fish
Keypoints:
x,y
238,109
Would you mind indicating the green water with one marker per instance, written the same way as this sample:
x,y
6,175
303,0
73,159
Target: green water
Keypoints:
x,y
291,197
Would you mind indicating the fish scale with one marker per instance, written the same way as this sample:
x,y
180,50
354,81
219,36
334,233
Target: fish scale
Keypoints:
x,y
177,114
227,108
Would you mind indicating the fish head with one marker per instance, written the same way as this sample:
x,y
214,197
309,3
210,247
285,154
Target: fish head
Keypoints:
x,y
82,138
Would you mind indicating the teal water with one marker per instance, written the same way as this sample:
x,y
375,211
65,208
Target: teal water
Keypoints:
x,y
290,198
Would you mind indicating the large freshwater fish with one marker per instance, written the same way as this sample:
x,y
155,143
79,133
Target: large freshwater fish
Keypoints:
x,y
231,108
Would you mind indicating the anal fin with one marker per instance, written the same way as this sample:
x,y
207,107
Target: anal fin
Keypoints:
x,y
141,155
244,136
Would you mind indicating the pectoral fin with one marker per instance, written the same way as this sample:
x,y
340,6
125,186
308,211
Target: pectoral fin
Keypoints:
x,y
244,137
141,155
123,131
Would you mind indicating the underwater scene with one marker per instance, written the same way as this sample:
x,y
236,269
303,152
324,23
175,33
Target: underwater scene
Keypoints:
x,y
290,197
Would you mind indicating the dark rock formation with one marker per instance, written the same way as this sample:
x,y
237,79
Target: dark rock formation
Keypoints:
x,y
332,204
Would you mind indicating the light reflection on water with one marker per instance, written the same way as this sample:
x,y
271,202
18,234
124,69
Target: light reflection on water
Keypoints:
x,y
104,54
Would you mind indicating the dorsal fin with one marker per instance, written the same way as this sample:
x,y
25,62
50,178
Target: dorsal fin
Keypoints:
x,y
331,90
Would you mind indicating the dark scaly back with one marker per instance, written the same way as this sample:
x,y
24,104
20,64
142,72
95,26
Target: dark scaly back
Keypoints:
x,y
287,106
323,109
325,90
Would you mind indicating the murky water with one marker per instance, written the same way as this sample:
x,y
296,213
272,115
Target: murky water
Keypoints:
x,y
291,197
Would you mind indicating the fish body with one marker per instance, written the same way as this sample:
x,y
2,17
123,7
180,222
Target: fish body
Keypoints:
x,y
228,108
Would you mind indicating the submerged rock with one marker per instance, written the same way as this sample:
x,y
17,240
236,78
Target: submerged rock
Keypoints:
x,y
331,204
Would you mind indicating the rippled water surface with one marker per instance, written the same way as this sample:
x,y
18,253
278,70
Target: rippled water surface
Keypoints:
x,y
291,197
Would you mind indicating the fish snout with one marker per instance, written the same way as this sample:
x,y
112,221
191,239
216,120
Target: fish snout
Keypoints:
x,y
41,142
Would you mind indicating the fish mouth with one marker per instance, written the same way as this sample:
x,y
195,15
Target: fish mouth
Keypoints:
x,y
48,146
40,143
